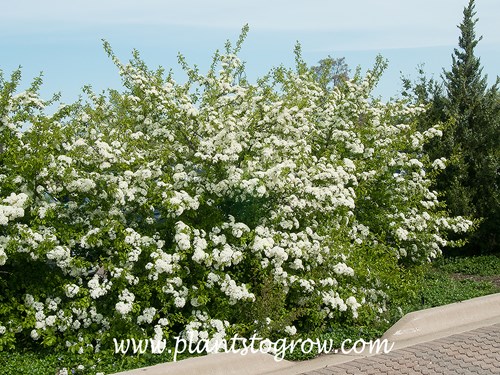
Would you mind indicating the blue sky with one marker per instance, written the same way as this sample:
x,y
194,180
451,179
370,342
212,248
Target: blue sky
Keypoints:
x,y
63,38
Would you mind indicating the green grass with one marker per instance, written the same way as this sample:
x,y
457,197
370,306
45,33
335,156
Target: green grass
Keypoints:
x,y
451,280
440,286
441,289
45,363
27,363
485,265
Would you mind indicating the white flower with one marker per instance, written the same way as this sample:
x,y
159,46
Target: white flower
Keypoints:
x,y
16,200
194,302
50,320
96,289
34,334
182,241
181,237
83,185
61,254
14,208
65,159
158,332
235,292
147,315
439,163
261,190
29,300
39,315
401,234
179,302
349,164
352,303
71,290
38,306
124,306
291,330
212,278
333,301
343,269
163,321
3,257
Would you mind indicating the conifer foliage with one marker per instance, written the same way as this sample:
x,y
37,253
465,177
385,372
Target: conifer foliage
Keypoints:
x,y
471,142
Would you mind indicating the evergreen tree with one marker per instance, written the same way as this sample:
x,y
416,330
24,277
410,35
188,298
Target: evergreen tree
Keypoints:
x,y
471,181
470,114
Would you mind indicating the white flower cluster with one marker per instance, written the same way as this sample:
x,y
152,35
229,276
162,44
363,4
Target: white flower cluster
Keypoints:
x,y
147,316
50,315
182,237
401,234
83,185
124,306
14,208
65,159
181,201
29,98
3,255
291,330
202,327
235,292
176,289
71,290
343,269
61,255
439,163
163,263
333,302
98,289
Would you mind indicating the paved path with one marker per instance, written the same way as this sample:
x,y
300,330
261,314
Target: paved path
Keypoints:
x,y
460,338
472,352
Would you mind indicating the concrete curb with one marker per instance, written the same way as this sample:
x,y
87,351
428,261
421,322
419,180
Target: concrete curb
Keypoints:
x,y
217,364
431,322
414,328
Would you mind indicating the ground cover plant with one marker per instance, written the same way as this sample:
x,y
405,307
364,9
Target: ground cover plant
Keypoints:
x,y
210,208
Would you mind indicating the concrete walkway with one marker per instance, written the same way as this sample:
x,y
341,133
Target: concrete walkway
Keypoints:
x,y
471,352
461,338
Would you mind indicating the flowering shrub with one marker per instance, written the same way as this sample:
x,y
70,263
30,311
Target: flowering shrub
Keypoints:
x,y
209,208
